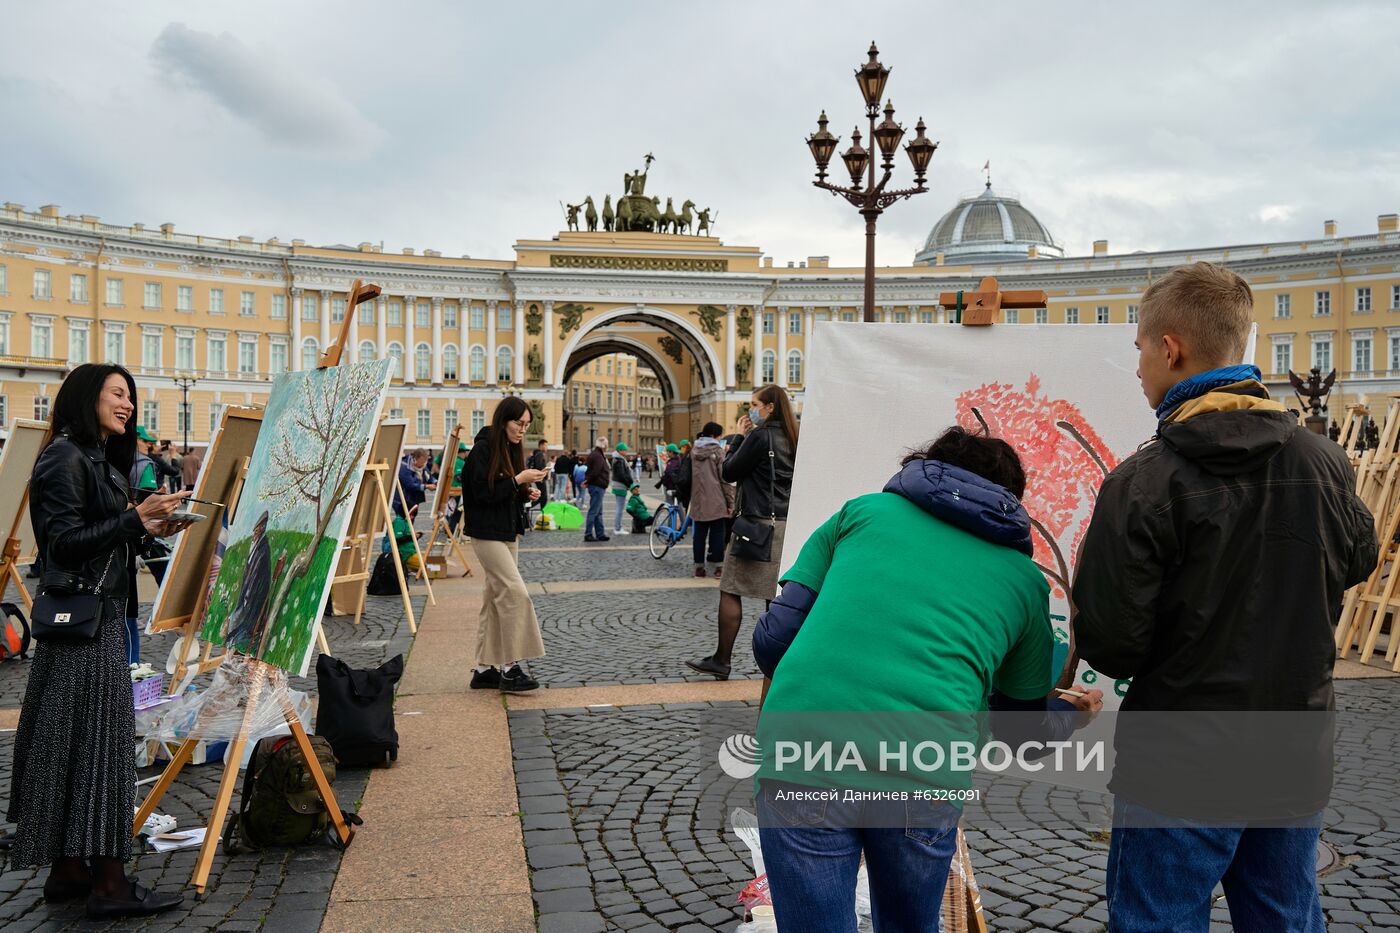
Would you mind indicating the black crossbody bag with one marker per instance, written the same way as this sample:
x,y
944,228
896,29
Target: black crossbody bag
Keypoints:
x,y
68,609
753,540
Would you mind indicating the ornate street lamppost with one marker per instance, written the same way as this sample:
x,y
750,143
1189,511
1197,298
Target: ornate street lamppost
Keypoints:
x,y
592,425
184,384
869,196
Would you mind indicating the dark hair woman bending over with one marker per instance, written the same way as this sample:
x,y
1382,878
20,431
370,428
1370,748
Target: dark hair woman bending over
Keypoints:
x,y
495,483
72,790
762,466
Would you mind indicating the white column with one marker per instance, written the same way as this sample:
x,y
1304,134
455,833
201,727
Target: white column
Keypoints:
x,y
548,343
410,355
887,312
491,343
325,319
519,343
464,307
295,356
756,369
381,326
437,341
729,316
914,313
809,317
780,367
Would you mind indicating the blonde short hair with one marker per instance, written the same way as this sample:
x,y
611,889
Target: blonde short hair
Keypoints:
x,y
1208,306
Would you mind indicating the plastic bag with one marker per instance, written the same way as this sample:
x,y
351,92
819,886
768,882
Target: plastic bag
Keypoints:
x,y
219,710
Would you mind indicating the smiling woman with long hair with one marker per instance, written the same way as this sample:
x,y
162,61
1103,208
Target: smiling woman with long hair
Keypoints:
x,y
72,789
495,484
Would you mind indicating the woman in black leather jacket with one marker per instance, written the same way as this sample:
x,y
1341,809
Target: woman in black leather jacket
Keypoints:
x,y
72,789
762,466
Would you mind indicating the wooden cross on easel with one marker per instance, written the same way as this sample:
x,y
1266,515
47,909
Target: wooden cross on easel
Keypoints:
x,y
260,672
979,308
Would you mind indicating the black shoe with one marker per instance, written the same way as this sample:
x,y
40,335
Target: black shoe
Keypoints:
x,y
140,902
486,680
57,890
708,665
603,538
587,538
516,680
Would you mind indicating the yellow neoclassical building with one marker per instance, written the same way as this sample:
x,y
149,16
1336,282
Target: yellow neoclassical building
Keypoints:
x,y
205,322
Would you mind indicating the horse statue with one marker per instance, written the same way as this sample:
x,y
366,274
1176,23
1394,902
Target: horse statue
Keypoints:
x,y
590,215
685,218
668,219
608,216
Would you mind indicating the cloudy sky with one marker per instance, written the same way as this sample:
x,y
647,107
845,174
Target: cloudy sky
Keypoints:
x,y
461,126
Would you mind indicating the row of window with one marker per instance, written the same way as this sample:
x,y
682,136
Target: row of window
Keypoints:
x,y
1322,302
607,405
1362,356
624,367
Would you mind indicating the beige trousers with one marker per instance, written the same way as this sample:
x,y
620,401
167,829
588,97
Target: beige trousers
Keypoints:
x,y
508,629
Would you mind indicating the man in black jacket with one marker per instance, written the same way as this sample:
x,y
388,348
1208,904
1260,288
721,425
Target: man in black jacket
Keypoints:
x,y
1212,575
596,479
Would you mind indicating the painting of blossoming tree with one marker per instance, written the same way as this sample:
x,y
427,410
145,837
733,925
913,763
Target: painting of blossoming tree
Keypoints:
x,y
1065,397
293,510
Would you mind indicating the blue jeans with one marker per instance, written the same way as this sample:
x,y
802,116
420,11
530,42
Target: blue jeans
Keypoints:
x,y
621,510
593,526
716,533
133,642
812,852
1160,877
561,486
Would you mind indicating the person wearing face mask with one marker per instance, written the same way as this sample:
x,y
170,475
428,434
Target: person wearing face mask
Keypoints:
x,y
762,467
495,483
72,788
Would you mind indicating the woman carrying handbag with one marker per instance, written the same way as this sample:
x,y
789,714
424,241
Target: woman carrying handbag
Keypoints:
x,y
72,789
762,466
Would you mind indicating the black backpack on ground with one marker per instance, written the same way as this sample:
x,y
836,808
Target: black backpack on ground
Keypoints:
x,y
280,804
382,579
355,711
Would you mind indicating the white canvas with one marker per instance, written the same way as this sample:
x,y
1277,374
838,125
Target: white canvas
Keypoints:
x,y
1055,392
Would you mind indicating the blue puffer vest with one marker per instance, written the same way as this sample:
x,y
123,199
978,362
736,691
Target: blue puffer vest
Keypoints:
x,y
965,500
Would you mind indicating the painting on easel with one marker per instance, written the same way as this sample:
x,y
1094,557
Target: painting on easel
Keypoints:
x,y
295,505
1066,398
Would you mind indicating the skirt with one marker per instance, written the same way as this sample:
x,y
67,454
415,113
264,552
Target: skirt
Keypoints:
x,y
508,629
755,579
72,791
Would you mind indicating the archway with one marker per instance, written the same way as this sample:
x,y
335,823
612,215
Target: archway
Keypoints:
x,y
713,374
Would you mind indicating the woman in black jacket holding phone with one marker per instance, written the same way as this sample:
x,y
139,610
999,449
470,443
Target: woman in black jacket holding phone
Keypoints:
x,y
71,793
762,467
495,483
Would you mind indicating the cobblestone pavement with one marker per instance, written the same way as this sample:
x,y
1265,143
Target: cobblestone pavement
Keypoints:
x,y
635,637
626,818
283,890
583,562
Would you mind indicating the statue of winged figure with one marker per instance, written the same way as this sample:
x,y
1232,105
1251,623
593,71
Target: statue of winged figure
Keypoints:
x,y
1313,391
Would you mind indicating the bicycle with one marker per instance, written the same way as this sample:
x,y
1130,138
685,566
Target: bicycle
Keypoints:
x,y
668,529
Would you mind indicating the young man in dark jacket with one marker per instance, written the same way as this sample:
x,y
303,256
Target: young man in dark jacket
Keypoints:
x,y
1212,575
596,480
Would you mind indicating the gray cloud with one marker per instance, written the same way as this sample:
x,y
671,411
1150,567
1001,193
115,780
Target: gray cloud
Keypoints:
x,y
1179,126
288,109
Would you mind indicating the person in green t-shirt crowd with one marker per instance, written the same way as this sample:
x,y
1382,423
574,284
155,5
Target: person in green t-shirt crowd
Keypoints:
x,y
920,599
641,516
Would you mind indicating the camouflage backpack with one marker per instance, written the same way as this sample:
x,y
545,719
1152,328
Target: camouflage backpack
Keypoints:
x,y
280,804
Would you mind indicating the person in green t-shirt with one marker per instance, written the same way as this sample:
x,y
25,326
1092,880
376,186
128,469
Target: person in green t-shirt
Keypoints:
x,y
906,615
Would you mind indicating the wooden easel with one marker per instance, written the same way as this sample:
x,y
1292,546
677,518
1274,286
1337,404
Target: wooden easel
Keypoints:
x,y
451,537
9,557
382,517
260,672
981,308
27,440
1374,605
